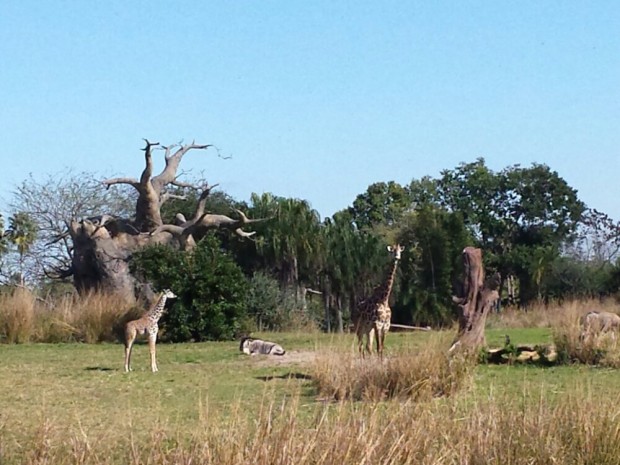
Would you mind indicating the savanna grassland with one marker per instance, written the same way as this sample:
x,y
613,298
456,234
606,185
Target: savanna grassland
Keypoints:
x,y
71,402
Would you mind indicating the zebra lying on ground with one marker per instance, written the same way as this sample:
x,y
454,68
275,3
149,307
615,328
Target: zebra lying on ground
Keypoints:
x,y
251,346
596,322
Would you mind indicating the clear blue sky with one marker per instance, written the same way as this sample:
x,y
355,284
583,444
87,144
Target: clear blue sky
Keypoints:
x,y
314,99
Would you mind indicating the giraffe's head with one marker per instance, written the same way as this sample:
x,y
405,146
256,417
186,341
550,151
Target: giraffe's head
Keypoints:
x,y
169,294
395,250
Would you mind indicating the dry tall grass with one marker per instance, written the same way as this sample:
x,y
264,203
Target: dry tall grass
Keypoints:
x,y
548,316
575,346
581,429
95,317
408,374
17,316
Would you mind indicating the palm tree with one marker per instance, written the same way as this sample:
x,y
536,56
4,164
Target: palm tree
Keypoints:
x,y
22,233
352,264
289,244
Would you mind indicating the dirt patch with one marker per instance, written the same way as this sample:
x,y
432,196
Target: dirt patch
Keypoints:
x,y
293,357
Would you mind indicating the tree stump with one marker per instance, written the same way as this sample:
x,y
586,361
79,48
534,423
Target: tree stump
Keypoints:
x,y
476,299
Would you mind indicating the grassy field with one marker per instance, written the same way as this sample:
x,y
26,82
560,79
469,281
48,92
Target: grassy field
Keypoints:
x,y
72,403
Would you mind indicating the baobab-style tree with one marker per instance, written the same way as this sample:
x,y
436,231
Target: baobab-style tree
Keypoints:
x,y
103,245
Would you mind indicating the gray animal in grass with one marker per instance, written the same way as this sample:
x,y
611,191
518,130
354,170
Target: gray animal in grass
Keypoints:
x,y
251,346
596,322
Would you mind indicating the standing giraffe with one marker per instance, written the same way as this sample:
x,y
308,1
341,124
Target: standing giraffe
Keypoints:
x,y
374,314
146,325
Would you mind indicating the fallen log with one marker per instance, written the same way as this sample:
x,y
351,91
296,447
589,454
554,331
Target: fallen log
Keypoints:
x,y
522,353
398,327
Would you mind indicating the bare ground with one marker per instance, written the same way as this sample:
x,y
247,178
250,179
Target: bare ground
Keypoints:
x,y
293,357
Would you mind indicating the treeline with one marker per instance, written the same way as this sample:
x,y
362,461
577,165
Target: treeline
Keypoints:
x,y
301,269
534,230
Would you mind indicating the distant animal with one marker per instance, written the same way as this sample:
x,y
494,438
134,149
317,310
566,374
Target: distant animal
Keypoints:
x,y
596,322
146,325
251,346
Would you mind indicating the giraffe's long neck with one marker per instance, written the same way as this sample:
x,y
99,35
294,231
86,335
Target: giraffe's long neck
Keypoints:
x,y
386,289
156,312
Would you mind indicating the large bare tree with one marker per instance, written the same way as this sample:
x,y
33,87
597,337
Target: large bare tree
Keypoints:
x,y
103,245
476,299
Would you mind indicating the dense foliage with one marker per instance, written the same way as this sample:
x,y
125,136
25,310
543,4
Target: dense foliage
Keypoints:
x,y
529,222
210,287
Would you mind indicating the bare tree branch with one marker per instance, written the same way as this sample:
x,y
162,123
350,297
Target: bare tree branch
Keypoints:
x,y
163,198
178,183
131,181
148,169
172,164
242,233
168,149
202,200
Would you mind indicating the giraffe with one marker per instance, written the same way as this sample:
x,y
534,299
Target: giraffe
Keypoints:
x,y
146,325
373,313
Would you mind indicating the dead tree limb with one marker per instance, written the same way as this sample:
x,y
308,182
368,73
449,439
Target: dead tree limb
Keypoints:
x,y
188,232
150,188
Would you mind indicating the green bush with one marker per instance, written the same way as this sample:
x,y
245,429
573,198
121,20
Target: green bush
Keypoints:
x,y
211,290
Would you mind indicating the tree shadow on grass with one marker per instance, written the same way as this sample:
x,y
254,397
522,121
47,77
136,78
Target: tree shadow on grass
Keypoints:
x,y
100,369
285,376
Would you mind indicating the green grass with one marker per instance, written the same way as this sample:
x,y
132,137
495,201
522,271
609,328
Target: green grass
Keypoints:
x,y
495,337
84,385
81,389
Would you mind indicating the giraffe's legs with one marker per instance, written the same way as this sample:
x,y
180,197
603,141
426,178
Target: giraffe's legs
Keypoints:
x,y
364,339
359,332
152,341
130,336
360,343
380,342
370,335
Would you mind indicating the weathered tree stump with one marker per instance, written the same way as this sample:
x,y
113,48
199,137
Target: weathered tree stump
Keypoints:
x,y
476,300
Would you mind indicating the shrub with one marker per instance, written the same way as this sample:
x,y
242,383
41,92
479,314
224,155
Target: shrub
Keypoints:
x,y
211,290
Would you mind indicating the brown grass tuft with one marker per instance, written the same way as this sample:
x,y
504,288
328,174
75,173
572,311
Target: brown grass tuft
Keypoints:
x,y
17,316
92,318
593,349
417,374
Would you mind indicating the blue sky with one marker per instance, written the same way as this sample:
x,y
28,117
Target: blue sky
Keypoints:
x,y
314,99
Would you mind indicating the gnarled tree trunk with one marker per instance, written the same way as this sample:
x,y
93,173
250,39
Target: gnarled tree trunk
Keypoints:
x,y
476,299
103,246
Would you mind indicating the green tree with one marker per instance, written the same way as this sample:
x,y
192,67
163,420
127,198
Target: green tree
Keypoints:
x,y
288,244
520,216
22,233
352,265
430,265
211,290
381,206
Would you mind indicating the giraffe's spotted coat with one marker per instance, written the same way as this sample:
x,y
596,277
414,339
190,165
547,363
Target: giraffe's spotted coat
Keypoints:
x,y
146,325
374,313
